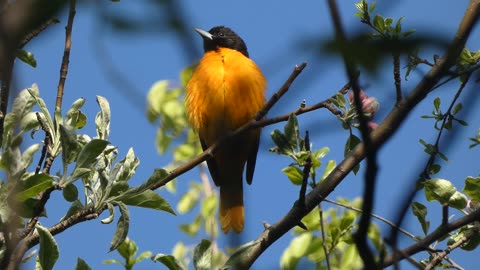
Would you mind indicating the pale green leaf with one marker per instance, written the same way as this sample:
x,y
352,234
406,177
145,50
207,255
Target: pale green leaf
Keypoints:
x,y
49,252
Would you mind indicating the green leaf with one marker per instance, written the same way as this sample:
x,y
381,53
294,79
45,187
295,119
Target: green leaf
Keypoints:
x,y
122,226
156,98
26,57
378,23
436,104
74,208
29,122
297,248
89,153
188,201
439,189
209,205
202,255
82,265
420,211
128,249
147,199
192,228
239,255
158,174
331,164
351,143
34,185
458,201
457,108
48,253
184,152
70,146
70,192
46,117
102,120
294,174
292,131
27,155
169,261
163,140
111,211
434,169
472,188
128,166
283,146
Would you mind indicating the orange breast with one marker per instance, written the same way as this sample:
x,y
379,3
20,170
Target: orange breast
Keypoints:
x,y
226,90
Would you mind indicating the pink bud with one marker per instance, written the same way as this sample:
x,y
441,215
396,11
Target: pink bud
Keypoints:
x,y
363,96
372,125
370,105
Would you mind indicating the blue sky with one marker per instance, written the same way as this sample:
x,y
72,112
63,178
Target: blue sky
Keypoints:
x,y
275,32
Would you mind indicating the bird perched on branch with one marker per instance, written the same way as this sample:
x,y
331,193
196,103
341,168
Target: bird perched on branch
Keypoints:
x,y
226,91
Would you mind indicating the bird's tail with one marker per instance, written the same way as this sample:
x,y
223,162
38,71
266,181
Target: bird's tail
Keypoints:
x,y
231,207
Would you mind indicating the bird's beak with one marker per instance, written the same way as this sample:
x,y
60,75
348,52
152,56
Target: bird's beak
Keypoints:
x,y
204,33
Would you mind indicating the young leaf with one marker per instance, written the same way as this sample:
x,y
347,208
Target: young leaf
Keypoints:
x,y
282,142
26,57
439,189
34,185
122,226
90,152
148,199
74,208
420,211
188,201
458,201
48,253
70,192
70,146
202,255
169,261
111,211
239,254
102,120
294,174
472,188
82,265
292,131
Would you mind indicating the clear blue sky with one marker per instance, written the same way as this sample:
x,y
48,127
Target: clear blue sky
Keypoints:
x,y
274,32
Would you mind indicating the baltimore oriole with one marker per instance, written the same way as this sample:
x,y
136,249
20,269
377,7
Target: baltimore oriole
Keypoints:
x,y
225,91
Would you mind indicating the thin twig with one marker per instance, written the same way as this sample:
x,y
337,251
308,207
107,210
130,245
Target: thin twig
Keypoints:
x,y
66,57
396,76
440,256
307,166
46,143
382,219
35,32
445,213
324,243
423,243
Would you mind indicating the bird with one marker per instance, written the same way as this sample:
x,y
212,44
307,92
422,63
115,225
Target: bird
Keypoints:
x,y
225,91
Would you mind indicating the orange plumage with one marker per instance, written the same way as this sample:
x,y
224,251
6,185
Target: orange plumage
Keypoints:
x,y
225,91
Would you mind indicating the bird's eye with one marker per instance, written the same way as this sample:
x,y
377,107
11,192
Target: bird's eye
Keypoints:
x,y
220,34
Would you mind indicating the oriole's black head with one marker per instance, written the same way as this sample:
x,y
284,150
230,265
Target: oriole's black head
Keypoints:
x,y
221,36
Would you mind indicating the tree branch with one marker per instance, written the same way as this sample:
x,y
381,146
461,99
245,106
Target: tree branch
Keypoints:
x,y
379,136
434,236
